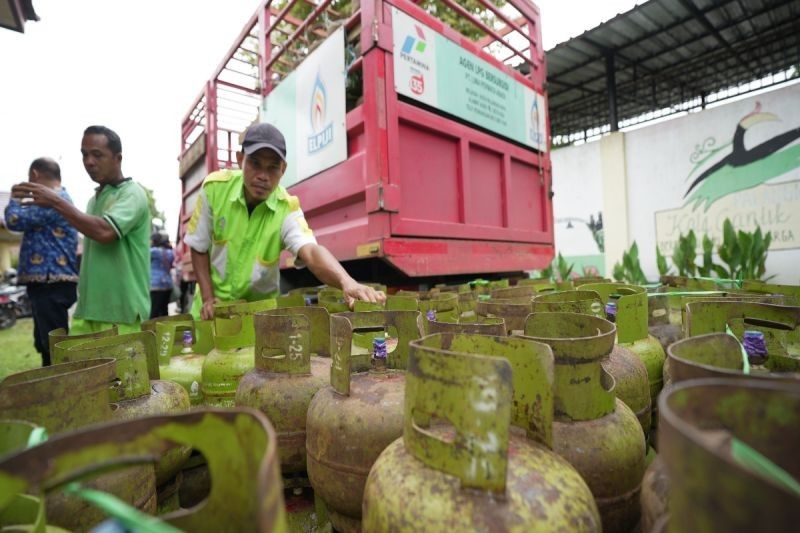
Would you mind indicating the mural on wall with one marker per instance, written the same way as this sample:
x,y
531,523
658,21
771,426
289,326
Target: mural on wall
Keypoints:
x,y
742,168
735,181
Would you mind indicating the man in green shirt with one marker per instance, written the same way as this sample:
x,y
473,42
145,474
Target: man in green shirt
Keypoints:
x,y
242,221
114,284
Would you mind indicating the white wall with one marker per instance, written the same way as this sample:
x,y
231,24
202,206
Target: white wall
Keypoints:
x,y
578,188
659,165
659,160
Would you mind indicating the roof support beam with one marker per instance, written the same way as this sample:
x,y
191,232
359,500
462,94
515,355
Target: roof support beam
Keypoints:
x,y
611,89
702,19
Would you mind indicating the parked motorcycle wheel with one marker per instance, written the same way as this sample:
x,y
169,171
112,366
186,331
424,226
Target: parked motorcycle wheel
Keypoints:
x,y
8,317
24,306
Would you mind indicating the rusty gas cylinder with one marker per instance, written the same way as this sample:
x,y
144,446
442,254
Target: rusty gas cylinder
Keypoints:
x,y
628,371
240,446
780,324
63,398
460,465
431,304
178,360
713,355
351,421
138,391
292,362
593,430
474,325
234,350
61,335
730,450
632,332
512,312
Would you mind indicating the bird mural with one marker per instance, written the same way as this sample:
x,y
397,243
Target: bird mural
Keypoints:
x,y
744,168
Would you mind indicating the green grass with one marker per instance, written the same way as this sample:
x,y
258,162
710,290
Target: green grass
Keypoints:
x,y
16,349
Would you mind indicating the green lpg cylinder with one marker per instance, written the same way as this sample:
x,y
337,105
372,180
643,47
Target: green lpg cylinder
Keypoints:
x,y
292,363
628,371
202,332
444,305
239,444
177,359
596,432
234,351
630,310
460,465
514,314
138,390
63,398
24,511
60,335
730,450
517,294
485,326
778,324
351,421
713,355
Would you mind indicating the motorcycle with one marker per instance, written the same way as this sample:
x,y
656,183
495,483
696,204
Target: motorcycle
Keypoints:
x,y
8,311
14,302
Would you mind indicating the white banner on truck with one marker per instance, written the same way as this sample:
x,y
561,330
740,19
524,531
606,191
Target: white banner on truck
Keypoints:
x,y
471,89
309,108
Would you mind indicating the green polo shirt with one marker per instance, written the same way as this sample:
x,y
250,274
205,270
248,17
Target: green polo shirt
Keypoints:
x,y
244,247
114,283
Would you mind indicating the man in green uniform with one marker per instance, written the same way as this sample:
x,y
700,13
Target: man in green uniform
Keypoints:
x,y
114,284
242,221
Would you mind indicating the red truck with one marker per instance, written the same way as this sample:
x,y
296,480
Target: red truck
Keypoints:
x,y
438,166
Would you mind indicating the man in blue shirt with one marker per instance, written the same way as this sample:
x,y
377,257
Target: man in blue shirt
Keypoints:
x,y
47,262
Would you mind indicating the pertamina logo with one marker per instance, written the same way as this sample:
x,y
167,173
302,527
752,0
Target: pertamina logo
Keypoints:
x,y
322,132
408,44
413,51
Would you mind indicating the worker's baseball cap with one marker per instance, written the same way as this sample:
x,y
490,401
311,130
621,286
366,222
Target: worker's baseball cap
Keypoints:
x,y
264,135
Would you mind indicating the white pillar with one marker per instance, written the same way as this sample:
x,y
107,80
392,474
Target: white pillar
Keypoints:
x,y
615,198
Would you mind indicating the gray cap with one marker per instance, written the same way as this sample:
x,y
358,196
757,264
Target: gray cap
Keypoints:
x,y
264,135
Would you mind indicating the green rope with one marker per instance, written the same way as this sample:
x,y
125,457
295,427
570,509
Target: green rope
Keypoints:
x,y
745,359
130,517
758,463
685,293
36,437
737,283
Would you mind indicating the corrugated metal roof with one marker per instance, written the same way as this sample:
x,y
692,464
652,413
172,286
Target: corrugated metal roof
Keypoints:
x,y
668,55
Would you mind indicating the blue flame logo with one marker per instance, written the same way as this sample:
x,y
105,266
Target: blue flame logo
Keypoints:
x,y
319,99
322,132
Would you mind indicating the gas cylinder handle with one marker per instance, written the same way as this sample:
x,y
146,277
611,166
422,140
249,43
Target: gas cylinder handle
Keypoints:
x,y
584,390
244,308
319,323
712,316
239,444
283,343
631,308
472,394
408,325
482,326
575,301
166,332
398,302
135,354
60,335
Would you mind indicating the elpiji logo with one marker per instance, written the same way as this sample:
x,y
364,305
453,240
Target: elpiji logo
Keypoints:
x,y
534,133
409,43
322,134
